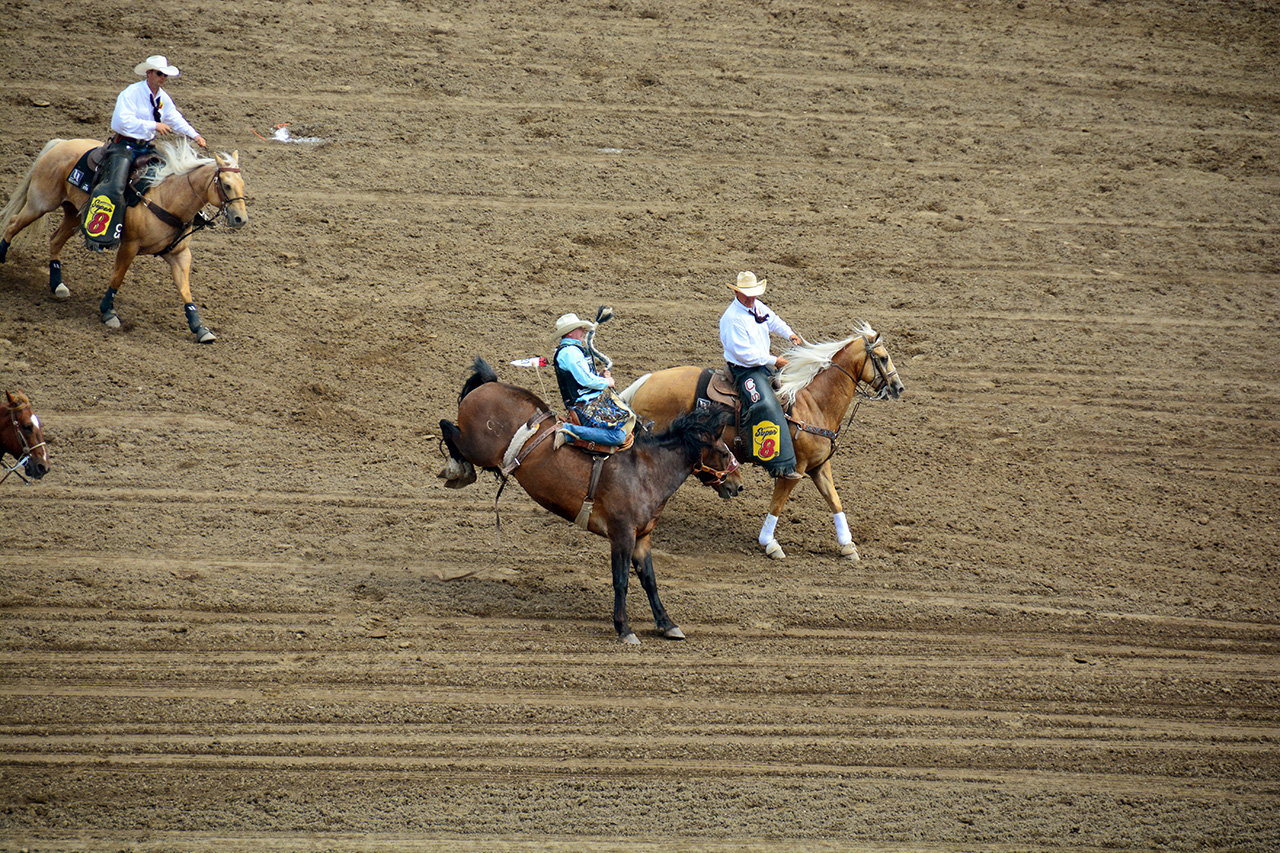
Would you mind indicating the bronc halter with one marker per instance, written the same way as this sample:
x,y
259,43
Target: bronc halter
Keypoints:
x,y
718,477
27,449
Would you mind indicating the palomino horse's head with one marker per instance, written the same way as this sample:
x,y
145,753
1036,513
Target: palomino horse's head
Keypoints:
x,y
878,370
226,191
21,436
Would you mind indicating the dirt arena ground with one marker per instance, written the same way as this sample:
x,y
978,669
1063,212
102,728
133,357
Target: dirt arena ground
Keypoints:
x,y
242,613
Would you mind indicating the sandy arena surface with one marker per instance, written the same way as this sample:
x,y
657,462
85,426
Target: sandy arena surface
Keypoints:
x,y
243,614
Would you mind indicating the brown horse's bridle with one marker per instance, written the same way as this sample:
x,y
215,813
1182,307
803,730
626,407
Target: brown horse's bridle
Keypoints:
x,y
717,476
27,449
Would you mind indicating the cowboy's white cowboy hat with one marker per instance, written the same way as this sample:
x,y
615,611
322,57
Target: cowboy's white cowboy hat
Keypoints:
x,y
747,284
568,322
155,63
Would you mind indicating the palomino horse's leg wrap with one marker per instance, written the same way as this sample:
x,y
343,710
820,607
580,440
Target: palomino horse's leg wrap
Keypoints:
x,y
55,277
107,307
202,333
4,250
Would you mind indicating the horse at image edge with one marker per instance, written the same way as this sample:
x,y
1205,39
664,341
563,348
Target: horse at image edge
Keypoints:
x,y
22,437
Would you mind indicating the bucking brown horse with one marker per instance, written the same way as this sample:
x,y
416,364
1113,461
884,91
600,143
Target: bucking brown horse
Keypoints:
x,y
509,430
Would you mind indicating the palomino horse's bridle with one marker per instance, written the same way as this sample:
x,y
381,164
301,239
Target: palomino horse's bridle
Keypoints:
x,y
201,219
27,449
881,365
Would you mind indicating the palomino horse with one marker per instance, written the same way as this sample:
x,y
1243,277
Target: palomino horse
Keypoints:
x,y
22,437
504,428
818,384
169,213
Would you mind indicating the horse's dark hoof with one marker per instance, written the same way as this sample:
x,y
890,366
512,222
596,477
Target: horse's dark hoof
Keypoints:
x,y
673,633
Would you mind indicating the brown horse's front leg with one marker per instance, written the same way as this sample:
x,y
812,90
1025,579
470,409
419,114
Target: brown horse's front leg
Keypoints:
x,y
180,266
827,487
621,550
642,559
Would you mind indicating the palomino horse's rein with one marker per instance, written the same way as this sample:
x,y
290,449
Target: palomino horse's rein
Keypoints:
x,y
27,449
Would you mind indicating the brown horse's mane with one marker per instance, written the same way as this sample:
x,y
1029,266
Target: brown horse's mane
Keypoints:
x,y
19,398
806,361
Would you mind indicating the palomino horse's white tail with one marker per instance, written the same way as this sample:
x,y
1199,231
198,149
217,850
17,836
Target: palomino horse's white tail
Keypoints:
x,y
19,198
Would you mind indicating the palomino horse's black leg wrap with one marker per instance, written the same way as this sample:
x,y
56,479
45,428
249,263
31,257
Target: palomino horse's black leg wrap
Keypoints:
x,y
108,303
4,250
193,317
55,276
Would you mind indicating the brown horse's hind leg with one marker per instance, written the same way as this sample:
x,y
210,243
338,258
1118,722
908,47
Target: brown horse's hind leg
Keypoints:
x,y
642,559
827,487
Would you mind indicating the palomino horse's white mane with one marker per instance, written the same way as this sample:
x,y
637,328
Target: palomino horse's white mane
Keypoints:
x,y
178,159
808,360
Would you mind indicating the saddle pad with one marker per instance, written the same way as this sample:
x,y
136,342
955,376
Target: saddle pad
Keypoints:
x,y
86,169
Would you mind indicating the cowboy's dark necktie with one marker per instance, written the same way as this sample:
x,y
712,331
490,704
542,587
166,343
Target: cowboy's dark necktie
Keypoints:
x,y
155,108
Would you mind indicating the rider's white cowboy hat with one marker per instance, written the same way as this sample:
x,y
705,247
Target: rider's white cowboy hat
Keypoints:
x,y
155,63
747,284
568,322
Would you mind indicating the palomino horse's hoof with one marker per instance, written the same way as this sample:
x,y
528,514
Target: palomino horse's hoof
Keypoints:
x,y
673,633
61,292
774,550
111,319
204,336
631,640
851,551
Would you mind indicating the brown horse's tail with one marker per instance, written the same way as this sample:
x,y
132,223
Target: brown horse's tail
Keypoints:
x,y
481,373
18,200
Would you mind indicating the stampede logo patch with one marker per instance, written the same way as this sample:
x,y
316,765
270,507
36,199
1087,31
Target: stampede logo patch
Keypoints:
x,y
98,219
750,385
764,440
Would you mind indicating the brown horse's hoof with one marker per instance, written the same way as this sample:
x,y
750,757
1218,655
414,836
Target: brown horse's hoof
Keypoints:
x,y
673,633
631,640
